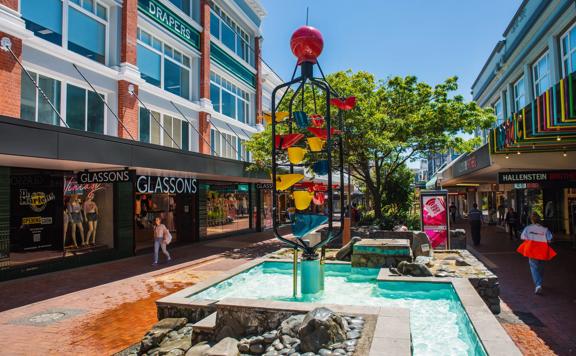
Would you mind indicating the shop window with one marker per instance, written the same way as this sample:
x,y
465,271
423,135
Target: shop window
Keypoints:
x,y
84,110
54,217
541,75
172,130
519,95
144,122
33,106
44,18
227,208
163,66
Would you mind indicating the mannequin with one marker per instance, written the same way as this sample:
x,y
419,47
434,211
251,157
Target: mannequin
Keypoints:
x,y
75,210
91,216
66,221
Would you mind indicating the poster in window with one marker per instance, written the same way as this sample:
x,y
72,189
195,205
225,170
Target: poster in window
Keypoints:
x,y
434,213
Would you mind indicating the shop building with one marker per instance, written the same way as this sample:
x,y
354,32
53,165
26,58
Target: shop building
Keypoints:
x,y
117,112
528,158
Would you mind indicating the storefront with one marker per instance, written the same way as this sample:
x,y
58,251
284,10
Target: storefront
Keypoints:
x,y
225,208
174,200
59,217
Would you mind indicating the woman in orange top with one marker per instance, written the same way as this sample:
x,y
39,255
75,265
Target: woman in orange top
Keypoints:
x,y
535,246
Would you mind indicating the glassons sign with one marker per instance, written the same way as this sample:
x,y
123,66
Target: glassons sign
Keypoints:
x,y
536,177
152,184
168,19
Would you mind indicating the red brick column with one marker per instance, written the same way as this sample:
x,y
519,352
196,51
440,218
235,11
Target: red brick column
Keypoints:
x,y
258,61
203,117
10,75
127,104
12,4
127,110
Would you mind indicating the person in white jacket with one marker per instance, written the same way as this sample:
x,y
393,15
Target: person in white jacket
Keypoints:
x,y
161,239
535,246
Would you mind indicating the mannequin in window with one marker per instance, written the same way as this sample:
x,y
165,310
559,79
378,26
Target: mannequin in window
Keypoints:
x,y
66,221
76,218
91,216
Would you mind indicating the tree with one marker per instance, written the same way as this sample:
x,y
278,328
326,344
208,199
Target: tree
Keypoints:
x,y
395,121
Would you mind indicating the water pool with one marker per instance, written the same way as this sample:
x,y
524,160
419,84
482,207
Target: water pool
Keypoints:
x,y
438,322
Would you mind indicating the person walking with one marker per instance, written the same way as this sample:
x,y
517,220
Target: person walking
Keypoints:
x,y
501,214
452,209
511,221
162,238
475,221
536,247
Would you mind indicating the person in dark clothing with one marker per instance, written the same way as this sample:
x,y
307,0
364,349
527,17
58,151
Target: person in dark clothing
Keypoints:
x,y
475,221
453,211
512,222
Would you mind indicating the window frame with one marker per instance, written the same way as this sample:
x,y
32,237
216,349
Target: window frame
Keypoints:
x,y
93,16
516,98
164,57
567,56
500,116
249,117
239,33
38,97
162,115
87,89
534,66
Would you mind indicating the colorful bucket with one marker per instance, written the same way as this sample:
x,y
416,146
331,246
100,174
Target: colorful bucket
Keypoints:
x,y
323,133
317,120
302,120
296,154
316,144
280,115
321,167
302,199
285,181
319,198
285,141
303,224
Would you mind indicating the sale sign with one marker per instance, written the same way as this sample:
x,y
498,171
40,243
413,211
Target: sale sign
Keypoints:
x,y
434,215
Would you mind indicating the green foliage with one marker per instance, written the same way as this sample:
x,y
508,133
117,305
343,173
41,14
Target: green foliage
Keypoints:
x,y
395,120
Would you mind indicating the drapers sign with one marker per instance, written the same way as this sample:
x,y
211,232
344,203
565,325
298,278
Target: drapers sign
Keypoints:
x,y
104,177
172,22
536,177
173,185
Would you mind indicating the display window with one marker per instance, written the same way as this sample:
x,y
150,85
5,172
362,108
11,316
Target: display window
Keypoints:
x,y
52,216
227,207
266,209
148,207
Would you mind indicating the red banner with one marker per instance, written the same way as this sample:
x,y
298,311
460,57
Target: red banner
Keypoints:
x,y
434,213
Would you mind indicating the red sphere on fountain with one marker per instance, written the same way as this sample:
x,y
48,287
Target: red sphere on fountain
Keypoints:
x,y
306,44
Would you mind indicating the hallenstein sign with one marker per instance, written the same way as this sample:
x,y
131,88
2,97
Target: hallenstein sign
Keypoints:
x,y
104,177
536,177
172,185
168,19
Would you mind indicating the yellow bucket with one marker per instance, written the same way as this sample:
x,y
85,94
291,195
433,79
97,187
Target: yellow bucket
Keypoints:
x,y
280,115
302,198
316,144
296,154
285,181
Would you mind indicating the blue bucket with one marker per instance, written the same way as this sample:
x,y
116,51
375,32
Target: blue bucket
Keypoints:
x,y
302,120
303,224
321,167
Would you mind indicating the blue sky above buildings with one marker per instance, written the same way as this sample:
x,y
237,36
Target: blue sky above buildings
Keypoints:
x,y
430,39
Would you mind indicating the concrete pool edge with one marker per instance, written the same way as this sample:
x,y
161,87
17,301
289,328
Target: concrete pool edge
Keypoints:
x,y
491,334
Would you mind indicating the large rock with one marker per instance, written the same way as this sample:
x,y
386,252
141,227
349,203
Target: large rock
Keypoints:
x,y
345,253
458,239
421,245
172,347
414,269
153,337
291,325
321,328
199,349
226,347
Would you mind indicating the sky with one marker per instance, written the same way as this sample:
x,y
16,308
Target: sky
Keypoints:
x,y
431,39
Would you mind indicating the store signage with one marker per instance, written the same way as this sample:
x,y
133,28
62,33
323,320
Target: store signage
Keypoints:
x,y
104,177
472,162
536,177
169,20
172,185
434,215
264,186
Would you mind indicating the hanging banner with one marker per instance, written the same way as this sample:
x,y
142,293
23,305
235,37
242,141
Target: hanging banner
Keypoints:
x,y
434,217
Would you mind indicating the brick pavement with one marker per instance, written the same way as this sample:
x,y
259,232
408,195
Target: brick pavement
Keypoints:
x,y
539,325
106,307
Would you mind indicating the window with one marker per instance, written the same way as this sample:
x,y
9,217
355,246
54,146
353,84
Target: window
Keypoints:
x,y
541,75
519,95
44,18
163,66
498,112
243,154
230,100
568,45
224,145
230,34
183,5
84,110
33,106
152,132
